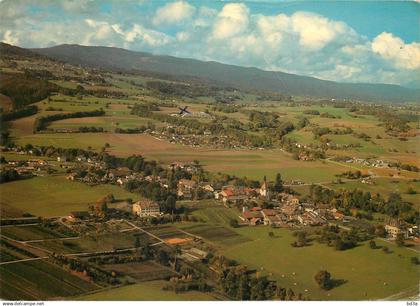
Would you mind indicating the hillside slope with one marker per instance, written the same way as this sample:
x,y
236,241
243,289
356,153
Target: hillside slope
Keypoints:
x,y
241,77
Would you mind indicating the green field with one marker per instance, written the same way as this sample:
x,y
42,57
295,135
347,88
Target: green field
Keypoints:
x,y
55,196
370,274
146,291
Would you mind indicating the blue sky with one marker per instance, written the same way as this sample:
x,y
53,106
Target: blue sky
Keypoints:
x,y
350,41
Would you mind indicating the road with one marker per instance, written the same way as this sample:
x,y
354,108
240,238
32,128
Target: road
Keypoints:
x,y
22,260
144,231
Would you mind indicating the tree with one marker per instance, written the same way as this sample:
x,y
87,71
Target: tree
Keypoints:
x,y
414,260
163,258
301,239
380,231
399,240
146,251
410,190
233,223
104,208
323,279
278,184
170,204
270,234
372,244
243,287
177,252
137,242
110,198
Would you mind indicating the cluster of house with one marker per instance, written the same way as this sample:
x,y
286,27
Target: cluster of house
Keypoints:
x,y
288,212
118,176
377,163
198,140
142,208
32,167
240,195
194,115
394,228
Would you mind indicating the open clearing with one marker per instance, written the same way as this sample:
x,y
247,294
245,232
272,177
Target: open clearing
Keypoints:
x,y
370,274
54,195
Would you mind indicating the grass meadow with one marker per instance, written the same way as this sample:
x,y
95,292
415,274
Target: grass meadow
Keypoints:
x,y
55,196
368,274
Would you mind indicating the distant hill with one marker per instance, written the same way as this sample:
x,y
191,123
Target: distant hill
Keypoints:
x,y
252,78
7,50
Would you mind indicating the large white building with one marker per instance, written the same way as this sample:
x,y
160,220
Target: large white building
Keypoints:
x,y
146,208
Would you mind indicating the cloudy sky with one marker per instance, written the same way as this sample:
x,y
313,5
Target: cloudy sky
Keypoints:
x,y
350,41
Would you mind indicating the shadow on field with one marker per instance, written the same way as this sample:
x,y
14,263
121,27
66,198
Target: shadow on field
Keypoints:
x,y
334,283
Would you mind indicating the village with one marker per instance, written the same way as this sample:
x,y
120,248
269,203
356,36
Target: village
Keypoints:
x,y
255,206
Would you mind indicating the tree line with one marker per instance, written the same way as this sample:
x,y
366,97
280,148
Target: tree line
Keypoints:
x,y
19,113
394,206
41,123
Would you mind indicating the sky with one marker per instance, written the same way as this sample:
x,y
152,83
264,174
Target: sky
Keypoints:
x,y
346,41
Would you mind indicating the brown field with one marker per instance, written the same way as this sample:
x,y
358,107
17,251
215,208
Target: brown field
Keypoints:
x,y
118,107
24,126
174,241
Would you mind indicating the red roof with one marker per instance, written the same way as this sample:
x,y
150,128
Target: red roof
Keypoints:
x,y
256,208
247,214
251,214
229,192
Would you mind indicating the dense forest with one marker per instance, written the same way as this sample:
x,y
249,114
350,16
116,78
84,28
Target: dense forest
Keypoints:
x,y
24,89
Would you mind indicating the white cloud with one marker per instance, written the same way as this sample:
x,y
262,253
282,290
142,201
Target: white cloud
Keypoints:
x,y
173,13
392,48
315,31
205,17
140,35
232,20
100,32
9,38
182,36
303,43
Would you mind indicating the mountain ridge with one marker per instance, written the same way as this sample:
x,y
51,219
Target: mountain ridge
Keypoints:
x,y
119,59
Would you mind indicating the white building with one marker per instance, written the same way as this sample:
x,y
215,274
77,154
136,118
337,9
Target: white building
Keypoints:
x,y
146,208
